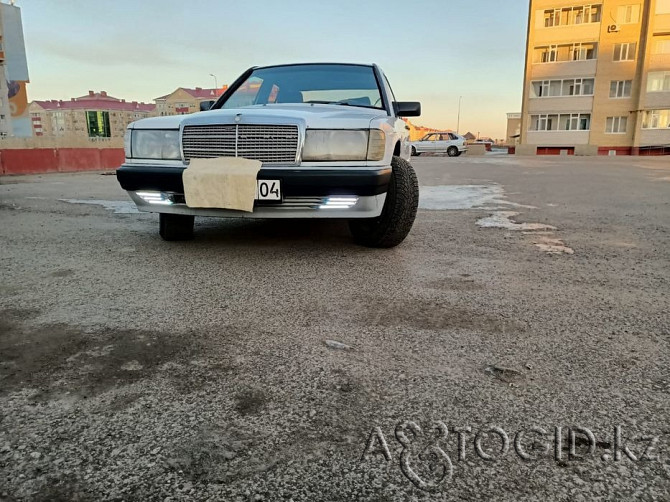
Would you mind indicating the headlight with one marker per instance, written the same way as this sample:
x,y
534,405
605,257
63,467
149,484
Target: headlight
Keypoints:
x,y
154,144
332,145
126,142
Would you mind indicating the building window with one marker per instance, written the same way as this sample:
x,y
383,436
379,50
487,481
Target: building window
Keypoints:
x,y
620,88
560,122
624,52
98,124
544,122
656,119
628,14
565,52
547,54
552,18
567,87
572,15
662,46
662,6
616,125
658,81
583,52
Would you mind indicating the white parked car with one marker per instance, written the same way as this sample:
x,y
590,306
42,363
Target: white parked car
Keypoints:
x,y
440,142
329,140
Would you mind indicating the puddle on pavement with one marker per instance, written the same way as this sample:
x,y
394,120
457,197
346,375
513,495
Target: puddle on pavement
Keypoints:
x,y
455,197
118,206
493,198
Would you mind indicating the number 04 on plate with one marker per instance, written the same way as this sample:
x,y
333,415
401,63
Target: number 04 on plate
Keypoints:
x,y
268,190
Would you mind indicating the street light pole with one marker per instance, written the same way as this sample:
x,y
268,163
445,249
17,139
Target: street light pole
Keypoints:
x,y
216,82
458,123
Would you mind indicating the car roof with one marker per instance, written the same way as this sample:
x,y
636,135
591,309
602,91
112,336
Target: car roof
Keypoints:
x,y
369,65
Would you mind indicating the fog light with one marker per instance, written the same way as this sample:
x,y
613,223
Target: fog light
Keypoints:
x,y
338,202
160,198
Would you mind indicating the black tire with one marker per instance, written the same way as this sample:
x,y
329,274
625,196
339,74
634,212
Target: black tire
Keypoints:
x,y
414,152
395,222
452,151
176,227
459,154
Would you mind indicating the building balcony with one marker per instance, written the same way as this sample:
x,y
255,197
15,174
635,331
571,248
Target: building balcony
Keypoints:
x,y
569,104
657,100
557,138
662,23
569,33
654,137
659,62
564,69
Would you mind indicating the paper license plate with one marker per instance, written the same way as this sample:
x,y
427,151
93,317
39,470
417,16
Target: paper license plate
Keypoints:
x,y
268,190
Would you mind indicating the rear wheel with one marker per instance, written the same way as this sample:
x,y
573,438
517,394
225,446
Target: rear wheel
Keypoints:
x,y
395,222
415,153
452,151
176,227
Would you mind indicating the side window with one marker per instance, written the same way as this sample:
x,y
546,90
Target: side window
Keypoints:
x,y
452,136
430,137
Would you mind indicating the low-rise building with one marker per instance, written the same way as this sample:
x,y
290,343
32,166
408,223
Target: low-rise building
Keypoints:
x,y
416,132
95,115
184,100
513,129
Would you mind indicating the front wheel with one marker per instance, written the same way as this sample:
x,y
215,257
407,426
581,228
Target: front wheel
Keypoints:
x,y
452,151
175,227
402,200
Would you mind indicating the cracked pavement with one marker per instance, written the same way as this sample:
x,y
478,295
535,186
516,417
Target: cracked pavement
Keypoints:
x,y
257,361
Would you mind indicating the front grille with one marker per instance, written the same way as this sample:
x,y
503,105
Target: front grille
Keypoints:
x,y
271,144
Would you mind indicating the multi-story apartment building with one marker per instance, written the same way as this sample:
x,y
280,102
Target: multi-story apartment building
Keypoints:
x,y
96,115
597,77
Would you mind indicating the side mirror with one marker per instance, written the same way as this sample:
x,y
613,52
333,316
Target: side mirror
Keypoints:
x,y
407,108
206,105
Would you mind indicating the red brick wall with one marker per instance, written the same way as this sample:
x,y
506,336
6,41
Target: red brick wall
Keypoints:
x,y
555,150
51,160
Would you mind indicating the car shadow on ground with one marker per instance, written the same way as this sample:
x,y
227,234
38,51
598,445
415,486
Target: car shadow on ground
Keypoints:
x,y
273,232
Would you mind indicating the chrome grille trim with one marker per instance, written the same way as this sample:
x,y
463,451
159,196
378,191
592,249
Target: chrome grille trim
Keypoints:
x,y
271,144
300,203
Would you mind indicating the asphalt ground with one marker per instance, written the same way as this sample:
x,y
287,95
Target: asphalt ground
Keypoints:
x,y
137,369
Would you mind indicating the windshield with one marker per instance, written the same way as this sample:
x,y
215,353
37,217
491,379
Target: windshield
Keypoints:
x,y
346,85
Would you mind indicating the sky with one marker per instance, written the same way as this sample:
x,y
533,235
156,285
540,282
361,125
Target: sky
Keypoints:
x,y
431,51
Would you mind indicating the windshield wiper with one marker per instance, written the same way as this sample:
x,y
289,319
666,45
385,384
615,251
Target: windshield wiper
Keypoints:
x,y
342,103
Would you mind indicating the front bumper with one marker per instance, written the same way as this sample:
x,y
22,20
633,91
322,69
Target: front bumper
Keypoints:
x,y
306,193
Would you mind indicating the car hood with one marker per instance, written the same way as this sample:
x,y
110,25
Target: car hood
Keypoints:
x,y
314,116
